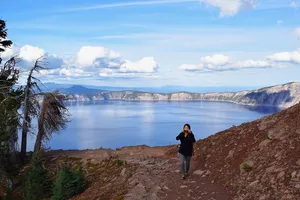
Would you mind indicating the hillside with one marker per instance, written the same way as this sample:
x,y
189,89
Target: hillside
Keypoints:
x,y
285,95
259,160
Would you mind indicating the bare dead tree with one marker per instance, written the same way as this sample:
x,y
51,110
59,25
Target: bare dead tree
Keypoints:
x,y
53,117
31,104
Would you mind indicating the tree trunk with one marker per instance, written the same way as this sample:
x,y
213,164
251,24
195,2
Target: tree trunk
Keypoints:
x,y
39,138
40,135
26,120
24,133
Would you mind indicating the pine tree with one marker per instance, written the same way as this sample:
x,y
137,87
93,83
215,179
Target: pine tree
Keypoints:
x,y
62,186
68,183
80,180
37,183
4,43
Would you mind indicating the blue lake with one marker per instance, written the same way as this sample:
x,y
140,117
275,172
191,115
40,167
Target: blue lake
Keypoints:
x,y
113,124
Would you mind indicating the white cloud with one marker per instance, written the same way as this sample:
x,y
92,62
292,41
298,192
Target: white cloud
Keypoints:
x,y
92,55
231,7
291,57
221,62
191,67
73,72
106,62
252,64
218,59
10,52
29,54
297,32
90,61
145,65
279,22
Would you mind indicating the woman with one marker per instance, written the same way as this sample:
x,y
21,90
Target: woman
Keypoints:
x,y
187,139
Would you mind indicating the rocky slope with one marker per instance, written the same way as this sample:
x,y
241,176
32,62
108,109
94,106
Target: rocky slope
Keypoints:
x,y
259,160
285,95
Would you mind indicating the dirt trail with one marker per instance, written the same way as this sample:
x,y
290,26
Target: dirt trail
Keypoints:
x,y
156,175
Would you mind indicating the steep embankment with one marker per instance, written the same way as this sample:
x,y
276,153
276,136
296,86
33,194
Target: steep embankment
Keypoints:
x,y
285,95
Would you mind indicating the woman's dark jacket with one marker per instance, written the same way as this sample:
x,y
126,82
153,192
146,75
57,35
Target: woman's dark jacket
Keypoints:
x,y
186,146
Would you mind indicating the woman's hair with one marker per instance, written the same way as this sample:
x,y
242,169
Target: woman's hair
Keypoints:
x,y
189,126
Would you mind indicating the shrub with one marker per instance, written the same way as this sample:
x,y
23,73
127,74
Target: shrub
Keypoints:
x,y
246,167
119,162
68,183
37,181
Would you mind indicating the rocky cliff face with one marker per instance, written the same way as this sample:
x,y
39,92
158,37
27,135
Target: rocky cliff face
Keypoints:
x,y
285,95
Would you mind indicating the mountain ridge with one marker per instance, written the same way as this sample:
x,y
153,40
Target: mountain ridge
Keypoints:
x,y
283,95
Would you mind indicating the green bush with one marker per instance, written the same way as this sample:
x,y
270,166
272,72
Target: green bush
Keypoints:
x,y
68,183
119,162
37,181
246,167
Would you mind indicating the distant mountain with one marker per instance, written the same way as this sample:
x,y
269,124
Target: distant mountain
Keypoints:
x,y
78,89
284,95
162,89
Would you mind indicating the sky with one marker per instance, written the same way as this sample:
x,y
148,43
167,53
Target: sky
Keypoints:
x,y
156,43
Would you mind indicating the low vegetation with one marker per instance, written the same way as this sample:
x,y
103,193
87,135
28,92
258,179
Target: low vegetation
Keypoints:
x,y
38,183
246,167
69,182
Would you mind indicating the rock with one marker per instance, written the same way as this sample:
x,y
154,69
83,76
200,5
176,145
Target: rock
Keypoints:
x,y
133,182
294,174
199,172
281,174
253,183
230,154
165,188
263,197
158,188
297,186
154,196
270,169
123,172
273,180
177,171
264,143
183,186
278,170
106,154
298,162
207,173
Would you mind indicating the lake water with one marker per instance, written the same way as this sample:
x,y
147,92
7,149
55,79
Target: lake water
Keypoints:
x,y
113,124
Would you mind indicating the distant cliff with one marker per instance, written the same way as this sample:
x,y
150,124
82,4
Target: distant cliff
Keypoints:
x,y
285,95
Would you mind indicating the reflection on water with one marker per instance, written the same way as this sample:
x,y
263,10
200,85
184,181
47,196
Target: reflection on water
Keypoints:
x,y
263,109
113,124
